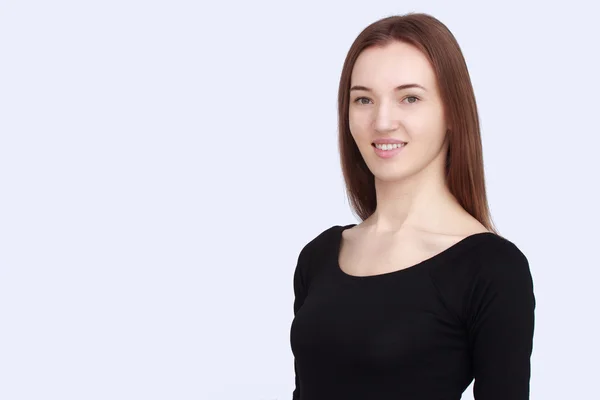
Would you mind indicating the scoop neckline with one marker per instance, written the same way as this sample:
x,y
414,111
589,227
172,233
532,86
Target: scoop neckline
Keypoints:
x,y
420,265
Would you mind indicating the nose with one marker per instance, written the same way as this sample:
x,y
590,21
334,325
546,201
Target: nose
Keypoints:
x,y
385,119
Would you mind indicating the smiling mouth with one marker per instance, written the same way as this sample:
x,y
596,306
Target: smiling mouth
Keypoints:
x,y
389,146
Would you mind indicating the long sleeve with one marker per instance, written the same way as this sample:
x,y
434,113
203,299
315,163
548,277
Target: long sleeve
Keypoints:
x,y
299,296
501,326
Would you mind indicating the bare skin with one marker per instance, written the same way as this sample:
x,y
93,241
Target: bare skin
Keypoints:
x,y
365,253
416,217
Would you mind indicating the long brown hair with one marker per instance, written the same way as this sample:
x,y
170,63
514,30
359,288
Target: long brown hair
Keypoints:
x,y
464,166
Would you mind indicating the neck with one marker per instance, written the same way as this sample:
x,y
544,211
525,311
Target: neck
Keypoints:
x,y
419,202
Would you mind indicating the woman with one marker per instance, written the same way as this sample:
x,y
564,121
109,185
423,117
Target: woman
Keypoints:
x,y
422,296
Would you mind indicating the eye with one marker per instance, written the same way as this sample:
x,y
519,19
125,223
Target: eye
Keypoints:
x,y
415,98
359,100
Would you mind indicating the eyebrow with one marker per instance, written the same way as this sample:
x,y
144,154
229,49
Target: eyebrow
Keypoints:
x,y
401,87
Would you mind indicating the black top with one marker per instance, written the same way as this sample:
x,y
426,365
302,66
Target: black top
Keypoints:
x,y
419,333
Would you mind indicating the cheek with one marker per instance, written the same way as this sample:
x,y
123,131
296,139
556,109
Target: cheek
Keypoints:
x,y
358,126
428,127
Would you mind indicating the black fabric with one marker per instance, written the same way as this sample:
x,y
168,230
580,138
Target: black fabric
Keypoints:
x,y
420,333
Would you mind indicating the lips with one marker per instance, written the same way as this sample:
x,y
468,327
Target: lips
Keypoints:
x,y
387,141
389,147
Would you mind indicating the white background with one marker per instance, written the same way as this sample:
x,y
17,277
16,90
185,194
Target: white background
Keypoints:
x,y
162,163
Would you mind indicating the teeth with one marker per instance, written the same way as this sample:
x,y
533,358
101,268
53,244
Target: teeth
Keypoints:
x,y
389,146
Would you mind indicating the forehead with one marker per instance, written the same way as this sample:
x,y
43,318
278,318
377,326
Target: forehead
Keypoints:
x,y
394,64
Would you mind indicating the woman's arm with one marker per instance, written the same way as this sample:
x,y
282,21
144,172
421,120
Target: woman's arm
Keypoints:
x,y
501,326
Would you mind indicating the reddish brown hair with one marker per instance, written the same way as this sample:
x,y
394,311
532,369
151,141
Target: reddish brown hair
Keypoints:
x,y
464,166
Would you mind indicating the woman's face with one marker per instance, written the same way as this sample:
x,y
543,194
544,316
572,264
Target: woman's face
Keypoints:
x,y
387,104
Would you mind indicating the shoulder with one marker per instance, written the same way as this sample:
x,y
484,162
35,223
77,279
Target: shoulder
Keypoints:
x,y
317,247
487,264
497,257
324,241
501,276
487,253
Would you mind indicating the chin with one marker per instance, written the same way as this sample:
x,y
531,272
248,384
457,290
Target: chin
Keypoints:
x,y
390,175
